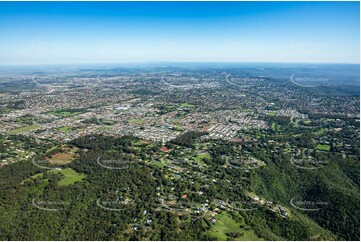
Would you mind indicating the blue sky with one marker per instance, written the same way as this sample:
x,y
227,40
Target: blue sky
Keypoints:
x,y
102,32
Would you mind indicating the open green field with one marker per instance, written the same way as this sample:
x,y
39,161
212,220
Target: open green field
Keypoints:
x,y
160,164
25,128
105,128
273,126
63,114
135,121
319,132
186,105
203,156
65,129
5,110
323,147
70,177
272,114
225,224
137,143
179,127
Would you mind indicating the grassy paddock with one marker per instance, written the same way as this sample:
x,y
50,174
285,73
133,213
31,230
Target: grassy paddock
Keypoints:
x,y
225,224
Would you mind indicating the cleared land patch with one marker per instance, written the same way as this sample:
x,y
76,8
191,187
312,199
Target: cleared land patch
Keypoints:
x,y
24,129
226,226
70,177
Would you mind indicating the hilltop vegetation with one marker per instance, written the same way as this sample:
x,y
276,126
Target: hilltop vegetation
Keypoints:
x,y
79,185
